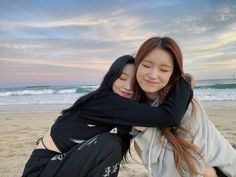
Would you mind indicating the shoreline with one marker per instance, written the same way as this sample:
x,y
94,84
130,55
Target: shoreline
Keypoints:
x,y
22,125
58,107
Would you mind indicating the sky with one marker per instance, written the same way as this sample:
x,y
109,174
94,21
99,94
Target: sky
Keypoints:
x,y
72,42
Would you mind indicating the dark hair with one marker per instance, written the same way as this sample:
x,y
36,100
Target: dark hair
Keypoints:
x,y
116,70
110,77
185,152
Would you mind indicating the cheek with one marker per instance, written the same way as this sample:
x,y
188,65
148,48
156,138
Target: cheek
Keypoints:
x,y
140,72
166,78
138,75
115,86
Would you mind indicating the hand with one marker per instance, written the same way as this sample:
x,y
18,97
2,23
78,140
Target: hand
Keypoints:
x,y
191,79
142,129
210,172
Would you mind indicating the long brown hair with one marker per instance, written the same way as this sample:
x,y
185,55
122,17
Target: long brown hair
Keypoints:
x,y
184,151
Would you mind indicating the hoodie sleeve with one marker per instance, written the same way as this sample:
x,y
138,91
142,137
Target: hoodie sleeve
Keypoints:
x,y
111,108
210,141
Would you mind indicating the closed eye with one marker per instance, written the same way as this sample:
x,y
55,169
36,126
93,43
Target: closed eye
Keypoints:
x,y
123,78
164,70
146,66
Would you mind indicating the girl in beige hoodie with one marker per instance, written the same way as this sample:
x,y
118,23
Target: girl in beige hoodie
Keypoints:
x,y
192,147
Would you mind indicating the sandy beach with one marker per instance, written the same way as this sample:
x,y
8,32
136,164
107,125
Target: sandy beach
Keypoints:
x,y
22,125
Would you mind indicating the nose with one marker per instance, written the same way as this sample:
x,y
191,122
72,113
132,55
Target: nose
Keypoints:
x,y
128,85
153,74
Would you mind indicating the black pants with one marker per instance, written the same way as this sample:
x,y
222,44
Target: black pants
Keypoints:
x,y
99,156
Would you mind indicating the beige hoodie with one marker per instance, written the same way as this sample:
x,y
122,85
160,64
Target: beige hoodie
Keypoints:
x,y
217,151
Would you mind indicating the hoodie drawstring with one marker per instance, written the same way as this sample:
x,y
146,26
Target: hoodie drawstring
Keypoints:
x,y
150,153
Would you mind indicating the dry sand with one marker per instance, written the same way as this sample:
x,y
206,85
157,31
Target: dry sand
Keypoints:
x,y
22,125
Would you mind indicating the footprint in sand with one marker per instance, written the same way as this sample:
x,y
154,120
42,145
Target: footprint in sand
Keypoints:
x,y
8,118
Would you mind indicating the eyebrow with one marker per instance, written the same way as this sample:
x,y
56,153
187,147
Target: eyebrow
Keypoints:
x,y
164,65
147,61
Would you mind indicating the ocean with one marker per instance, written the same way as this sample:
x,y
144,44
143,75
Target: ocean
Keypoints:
x,y
206,90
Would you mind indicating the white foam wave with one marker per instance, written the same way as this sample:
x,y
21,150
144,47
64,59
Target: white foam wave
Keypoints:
x,y
69,95
40,99
216,94
27,92
66,91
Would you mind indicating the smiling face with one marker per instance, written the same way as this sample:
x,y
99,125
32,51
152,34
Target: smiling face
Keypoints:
x,y
154,72
123,85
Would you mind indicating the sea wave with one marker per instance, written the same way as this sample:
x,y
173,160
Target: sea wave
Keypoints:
x,y
217,86
27,92
220,90
215,94
48,91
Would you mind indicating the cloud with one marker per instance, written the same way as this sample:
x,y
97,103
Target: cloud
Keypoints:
x,y
97,65
90,35
54,23
28,73
225,13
